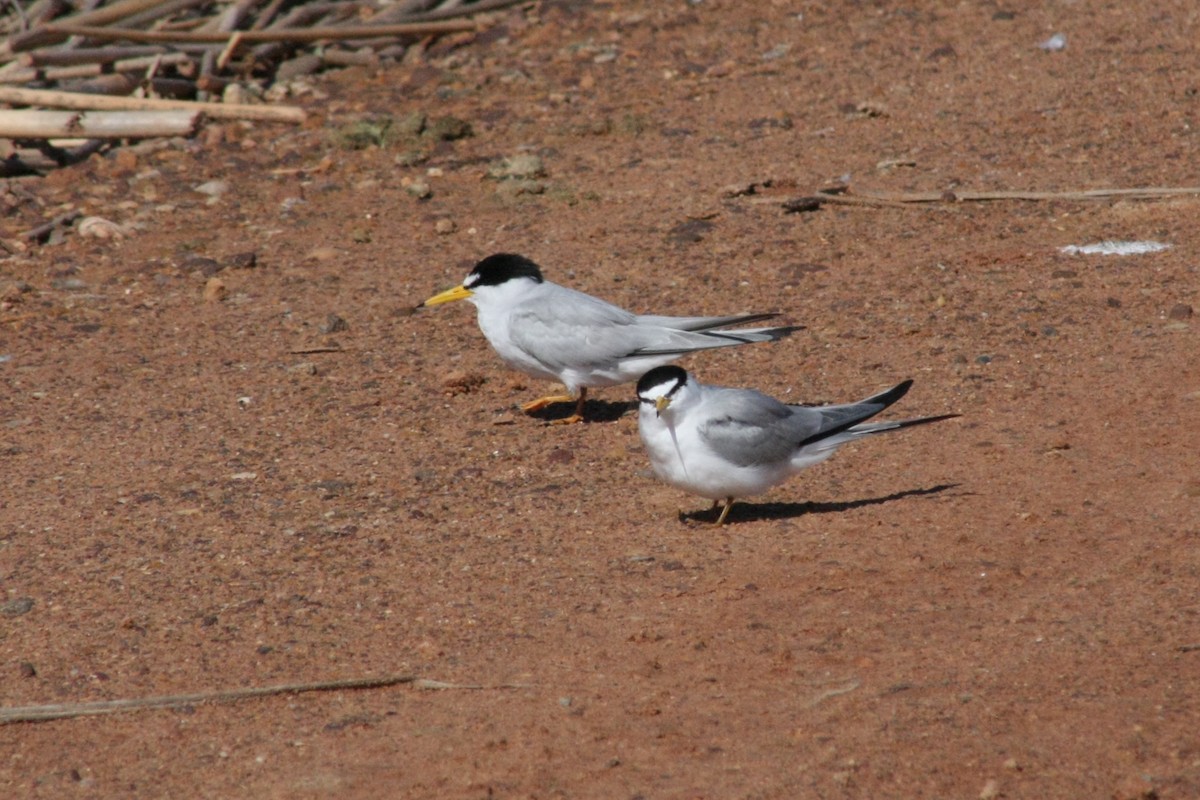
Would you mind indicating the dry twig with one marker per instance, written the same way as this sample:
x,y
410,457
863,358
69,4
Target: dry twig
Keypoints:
x,y
43,713
819,198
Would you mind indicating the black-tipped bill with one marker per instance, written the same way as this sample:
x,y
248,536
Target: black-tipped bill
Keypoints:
x,y
658,386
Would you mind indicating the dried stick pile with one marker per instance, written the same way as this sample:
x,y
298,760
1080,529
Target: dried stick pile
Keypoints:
x,y
175,62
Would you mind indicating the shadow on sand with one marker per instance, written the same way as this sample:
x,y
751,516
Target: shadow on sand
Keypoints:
x,y
745,512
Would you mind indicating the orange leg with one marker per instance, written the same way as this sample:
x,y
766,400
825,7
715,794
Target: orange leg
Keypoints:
x,y
542,402
724,511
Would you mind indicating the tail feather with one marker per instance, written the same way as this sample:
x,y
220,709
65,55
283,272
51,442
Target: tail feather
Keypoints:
x,y
881,427
704,323
710,339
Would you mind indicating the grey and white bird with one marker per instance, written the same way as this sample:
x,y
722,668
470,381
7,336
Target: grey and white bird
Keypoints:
x,y
724,443
549,331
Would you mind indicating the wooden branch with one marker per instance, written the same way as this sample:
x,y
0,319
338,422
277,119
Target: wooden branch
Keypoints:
x,y
53,99
87,55
884,199
28,124
42,232
166,9
43,35
138,64
404,10
43,713
270,35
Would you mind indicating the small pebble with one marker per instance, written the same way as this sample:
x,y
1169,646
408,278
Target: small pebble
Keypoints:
x,y
459,382
334,324
990,791
27,670
524,165
213,189
1055,43
323,254
247,260
206,267
17,606
215,291
1180,311
419,190
445,226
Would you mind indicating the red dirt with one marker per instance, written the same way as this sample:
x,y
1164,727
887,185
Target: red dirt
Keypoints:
x,y
1003,605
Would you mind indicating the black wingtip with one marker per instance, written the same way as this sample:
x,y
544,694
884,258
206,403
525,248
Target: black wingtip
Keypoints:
x,y
908,423
891,395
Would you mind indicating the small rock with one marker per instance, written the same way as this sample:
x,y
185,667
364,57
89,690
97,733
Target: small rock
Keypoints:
x,y
306,64
419,190
334,324
1055,43
1112,302
1180,311
17,606
215,291
984,359
524,165
213,189
409,125
247,260
459,382
323,254
447,129
27,670
690,231
516,188
237,94
101,228
445,226
303,368
990,791
206,267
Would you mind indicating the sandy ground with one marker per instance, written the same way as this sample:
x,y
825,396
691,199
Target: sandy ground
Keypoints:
x,y
288,475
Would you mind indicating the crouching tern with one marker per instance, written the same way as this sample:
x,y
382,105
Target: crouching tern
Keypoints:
x,y
724,443
549,331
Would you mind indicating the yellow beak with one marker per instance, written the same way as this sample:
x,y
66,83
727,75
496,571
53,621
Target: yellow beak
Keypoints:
x,y
450,295
661,404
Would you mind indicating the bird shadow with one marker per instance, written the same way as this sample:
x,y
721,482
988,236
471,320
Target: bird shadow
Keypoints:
x,y
593,411
745,512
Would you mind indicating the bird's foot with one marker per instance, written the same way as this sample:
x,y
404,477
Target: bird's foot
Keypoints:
x,y
724,511
542,402
571,420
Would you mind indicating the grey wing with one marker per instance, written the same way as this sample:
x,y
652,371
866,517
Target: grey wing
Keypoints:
x,y
572,329
749,428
